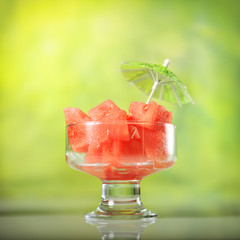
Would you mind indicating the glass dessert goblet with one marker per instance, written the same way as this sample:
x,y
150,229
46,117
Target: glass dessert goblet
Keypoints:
x,y
120,154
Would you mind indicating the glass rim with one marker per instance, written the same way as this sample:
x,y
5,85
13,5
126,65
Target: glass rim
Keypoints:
x,y
119,121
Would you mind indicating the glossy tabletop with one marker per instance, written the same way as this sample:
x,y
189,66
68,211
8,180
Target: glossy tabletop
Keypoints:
x,y
73,226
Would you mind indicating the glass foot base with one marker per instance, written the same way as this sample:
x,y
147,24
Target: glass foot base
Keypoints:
x,y
120,215
121,200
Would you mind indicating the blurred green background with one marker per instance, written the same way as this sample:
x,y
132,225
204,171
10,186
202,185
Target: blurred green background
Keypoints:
x,y
57,54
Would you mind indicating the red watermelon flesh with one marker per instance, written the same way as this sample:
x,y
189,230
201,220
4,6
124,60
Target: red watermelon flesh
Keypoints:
x,y
163,115
117,150
110,113
151,112
75,115
140,111
97,161
78,138
102,134
128,153
123,160
155,144
107,111
77,134
134,159
100,157
118,153
131,160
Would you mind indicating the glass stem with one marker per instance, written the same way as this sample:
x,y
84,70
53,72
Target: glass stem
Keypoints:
x,y
121,197
121,200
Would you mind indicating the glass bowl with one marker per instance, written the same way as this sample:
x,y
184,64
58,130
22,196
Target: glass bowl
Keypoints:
x,y
120,154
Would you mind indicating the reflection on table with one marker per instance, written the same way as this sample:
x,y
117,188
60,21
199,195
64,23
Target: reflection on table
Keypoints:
x,y
64,226
121,229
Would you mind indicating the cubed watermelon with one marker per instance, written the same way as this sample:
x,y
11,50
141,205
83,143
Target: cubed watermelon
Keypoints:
x,y
143,112
97,161
75,115
155,145
117,146
116,122
151,112
123,160
128,153
107,111
163,115
77,134
129,161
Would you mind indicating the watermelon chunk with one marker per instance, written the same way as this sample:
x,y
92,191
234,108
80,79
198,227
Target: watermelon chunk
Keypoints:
x,y
151,112
143,112
128,153
155,145
75,115
125,159
163,115
77,134
116,122
120,146
121,160
107,111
